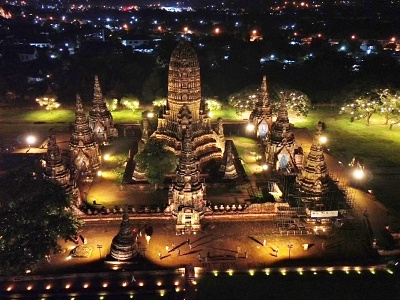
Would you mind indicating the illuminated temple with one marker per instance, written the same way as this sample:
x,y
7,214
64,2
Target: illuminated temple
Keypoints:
x,y
185,108
100,119
186,196
261,116
314,178
85,153
280,145
55,167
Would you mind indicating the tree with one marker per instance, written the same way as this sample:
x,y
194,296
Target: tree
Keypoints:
x,y
213,104
34,214
112,104
390,104
156,160
131,103
152,87
296,101
244,99
363,107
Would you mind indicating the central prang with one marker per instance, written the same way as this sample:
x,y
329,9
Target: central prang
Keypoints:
x,y
185,108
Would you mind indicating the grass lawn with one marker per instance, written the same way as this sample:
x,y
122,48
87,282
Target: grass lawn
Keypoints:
x,y
229,115
376,144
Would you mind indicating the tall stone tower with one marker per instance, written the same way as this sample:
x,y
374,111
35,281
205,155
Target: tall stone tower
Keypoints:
x,y
261,116
85,153
314,178
185,108
186,197
280,150
100,119
55,168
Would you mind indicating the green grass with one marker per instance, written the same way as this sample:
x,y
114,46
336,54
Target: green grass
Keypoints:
x,y
59,116
36,115
376,144
127,116
229,114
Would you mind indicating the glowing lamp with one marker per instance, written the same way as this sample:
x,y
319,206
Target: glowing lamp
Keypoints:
x,y
323,139
250,127
30,139
358,174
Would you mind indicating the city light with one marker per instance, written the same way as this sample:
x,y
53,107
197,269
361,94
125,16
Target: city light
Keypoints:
x,y
106,157
323,139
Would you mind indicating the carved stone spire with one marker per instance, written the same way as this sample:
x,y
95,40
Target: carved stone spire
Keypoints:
x,y
187,191
280,147
261,116
314,178
186,196
281,128
123,246
85,154
185,108
55,168
97,94
100,119
263,97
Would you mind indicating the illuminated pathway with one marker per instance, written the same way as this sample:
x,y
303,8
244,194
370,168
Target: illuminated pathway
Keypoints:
x,y
170,283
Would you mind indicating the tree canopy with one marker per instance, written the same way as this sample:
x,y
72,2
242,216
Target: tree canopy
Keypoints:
x,y
297,102
156,160
34,214
383,101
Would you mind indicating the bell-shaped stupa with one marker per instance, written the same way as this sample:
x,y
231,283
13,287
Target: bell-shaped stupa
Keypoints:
x,y
123,246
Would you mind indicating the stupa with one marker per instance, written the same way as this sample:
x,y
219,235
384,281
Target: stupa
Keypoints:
x,y
186,196
280,146
314,179
123,246
100,119
228,167
261,116
139,173
185,108
85,153
55,168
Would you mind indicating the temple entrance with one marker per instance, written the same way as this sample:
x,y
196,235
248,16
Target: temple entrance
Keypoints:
x,y
188,221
